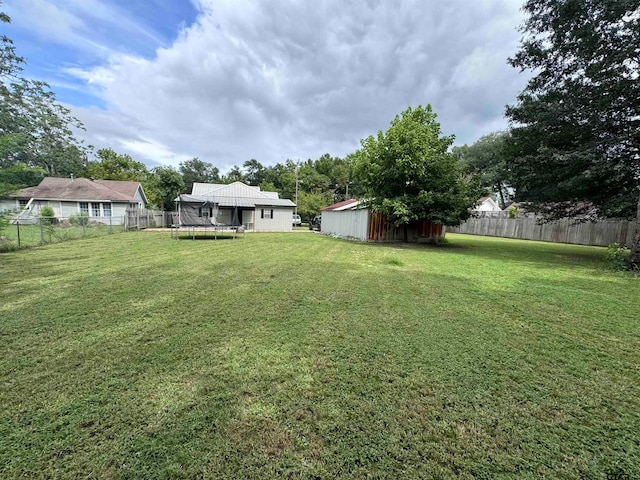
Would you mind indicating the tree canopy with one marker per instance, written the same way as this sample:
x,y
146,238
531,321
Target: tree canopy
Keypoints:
x,y
408,174
163,185
576,126
35,130
487,158
113,166
198,171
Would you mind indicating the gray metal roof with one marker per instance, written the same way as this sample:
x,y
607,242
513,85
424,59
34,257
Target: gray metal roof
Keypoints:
x,y
245,202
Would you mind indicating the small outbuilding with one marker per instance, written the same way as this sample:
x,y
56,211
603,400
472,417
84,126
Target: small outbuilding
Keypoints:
x,y
353,220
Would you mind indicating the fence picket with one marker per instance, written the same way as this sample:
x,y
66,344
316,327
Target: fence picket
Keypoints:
x,y
600,233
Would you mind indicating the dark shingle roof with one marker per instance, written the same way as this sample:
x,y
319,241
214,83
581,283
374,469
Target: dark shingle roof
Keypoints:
x,y
53,188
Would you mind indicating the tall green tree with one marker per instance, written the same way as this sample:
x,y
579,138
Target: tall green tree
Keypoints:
x,y
196,170
233,175
113,166
487,158
34,128
18,176
163,185
408,174
254,172
576,126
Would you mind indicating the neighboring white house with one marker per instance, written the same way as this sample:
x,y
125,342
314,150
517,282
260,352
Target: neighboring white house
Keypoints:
x,y
104,201
16,201
487,204
235,204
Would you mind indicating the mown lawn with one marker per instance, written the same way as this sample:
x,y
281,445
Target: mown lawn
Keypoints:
x,y
32,235
301,356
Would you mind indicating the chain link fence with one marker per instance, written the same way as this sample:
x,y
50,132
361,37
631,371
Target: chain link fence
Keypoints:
x,y
24,232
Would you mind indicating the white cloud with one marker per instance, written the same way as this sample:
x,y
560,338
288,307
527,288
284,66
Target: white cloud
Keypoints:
x,y
277,80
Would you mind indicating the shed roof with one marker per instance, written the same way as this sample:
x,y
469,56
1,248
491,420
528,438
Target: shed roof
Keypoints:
x,y
344,205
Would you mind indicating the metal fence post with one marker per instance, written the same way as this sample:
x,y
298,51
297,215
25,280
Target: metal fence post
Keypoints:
x,y
84,227
18,227
41,232
110,226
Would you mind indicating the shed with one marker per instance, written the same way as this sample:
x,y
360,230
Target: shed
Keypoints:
x,y
353,220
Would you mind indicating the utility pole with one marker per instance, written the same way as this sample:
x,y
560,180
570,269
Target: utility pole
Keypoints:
x,y
297,169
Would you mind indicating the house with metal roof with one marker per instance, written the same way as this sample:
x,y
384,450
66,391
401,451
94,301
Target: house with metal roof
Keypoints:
x,y
236,204
101,200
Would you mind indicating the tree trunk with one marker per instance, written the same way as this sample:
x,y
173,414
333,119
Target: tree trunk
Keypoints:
x,y
634,259
406,233
502,203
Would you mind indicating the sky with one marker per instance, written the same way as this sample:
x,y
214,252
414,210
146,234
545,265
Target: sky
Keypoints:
x,y
231,80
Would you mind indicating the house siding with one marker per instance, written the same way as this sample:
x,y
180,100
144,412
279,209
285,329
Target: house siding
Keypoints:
x,y
9,205
281,221
138,196
69,208
249,219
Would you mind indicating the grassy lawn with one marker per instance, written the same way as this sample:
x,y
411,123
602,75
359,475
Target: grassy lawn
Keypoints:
x,y
31,235
301,356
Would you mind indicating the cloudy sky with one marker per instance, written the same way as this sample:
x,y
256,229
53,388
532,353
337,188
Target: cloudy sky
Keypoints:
x,y
230,80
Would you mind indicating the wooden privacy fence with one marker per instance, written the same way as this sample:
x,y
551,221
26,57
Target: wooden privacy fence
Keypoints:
x,y
601,233
380,230
137,219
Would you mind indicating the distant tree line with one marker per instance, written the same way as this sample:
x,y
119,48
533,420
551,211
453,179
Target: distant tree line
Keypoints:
x,y
320,182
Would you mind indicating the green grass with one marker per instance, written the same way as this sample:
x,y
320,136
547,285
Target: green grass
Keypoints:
x,y
302,356
31,235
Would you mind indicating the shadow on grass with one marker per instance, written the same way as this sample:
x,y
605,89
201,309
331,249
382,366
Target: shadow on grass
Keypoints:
x,y
209,237
544,254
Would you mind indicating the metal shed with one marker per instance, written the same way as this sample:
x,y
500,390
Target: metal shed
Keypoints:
x,y
352,220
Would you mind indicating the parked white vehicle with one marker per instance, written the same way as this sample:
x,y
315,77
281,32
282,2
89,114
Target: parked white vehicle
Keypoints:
x,y
297,221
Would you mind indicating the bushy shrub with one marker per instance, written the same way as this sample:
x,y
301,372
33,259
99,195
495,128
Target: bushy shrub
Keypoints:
x,y
618,256
7,245
79,220
513,212
48,215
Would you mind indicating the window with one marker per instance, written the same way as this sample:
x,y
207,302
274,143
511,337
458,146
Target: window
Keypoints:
x,y
106,208
204,212
268,214
95,209
84,208
23,203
